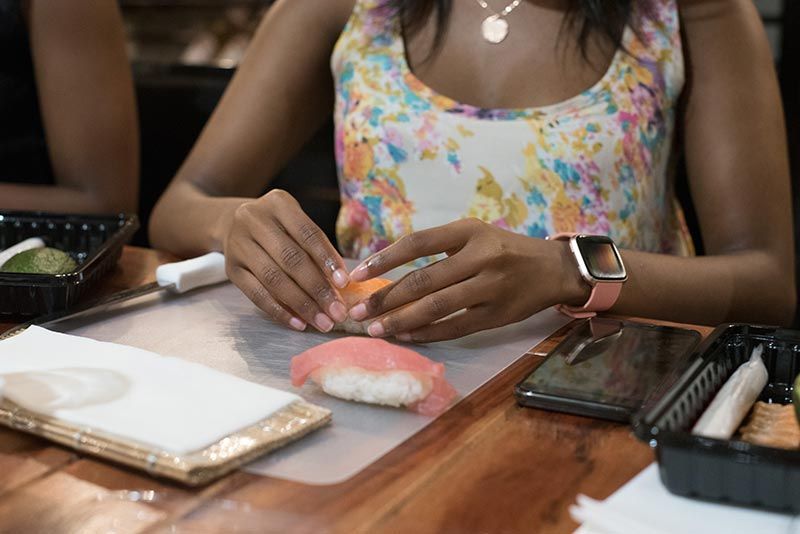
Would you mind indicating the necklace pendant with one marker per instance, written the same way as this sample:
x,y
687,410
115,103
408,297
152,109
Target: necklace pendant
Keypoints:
x,y
494,29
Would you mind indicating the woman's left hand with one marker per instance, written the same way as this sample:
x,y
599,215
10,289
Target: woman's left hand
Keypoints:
x,y
490,278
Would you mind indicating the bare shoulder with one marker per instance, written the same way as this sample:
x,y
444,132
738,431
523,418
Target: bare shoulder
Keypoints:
x,y
724,35
81,16
734,15
329,16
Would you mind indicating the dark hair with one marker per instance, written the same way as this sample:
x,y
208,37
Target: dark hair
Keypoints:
x,y
608,17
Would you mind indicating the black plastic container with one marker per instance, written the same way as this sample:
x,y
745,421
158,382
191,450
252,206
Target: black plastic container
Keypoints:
x,y
725,471
95,242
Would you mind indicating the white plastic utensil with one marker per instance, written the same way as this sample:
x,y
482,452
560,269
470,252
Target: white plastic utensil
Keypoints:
x,y
184,276
731,404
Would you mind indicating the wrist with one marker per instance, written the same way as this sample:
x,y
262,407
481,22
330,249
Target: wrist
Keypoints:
x,y
223,223
574,290
599,263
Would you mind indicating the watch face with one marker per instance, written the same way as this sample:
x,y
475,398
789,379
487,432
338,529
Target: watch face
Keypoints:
x,y
601,257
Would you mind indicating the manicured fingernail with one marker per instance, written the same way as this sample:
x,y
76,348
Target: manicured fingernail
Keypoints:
x,y
375,329
297,324
340,278
359,274
338,311
323,322
359,311
404,337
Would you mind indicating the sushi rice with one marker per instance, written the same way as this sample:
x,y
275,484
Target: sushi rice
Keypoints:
x,y
374,371
393,388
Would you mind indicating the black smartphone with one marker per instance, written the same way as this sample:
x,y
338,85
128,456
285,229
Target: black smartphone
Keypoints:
x,y
608,368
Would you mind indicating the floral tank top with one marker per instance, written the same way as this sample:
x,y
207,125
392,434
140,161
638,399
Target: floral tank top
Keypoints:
x,y
600,162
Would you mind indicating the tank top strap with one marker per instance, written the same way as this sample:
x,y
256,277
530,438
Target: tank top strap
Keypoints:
x,y
373,27
658,43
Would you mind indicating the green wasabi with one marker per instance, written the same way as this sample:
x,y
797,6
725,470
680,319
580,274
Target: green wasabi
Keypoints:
x,y
40,261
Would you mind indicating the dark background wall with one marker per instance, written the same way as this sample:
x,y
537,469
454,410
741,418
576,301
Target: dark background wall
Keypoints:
x,y
174,105
789,70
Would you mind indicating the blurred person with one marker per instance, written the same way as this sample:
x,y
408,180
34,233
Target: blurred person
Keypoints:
x,y
69,139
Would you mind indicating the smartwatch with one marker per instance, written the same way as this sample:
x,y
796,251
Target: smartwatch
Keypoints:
x,y
600,265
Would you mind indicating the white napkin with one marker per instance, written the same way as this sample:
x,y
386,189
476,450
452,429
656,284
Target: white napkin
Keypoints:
x,y
167,403
644,506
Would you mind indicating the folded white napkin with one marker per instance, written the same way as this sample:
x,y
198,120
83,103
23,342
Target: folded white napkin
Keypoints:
x,y
167,403
644,506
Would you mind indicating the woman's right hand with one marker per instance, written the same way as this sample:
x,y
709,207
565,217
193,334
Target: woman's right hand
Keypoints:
x,y
284,263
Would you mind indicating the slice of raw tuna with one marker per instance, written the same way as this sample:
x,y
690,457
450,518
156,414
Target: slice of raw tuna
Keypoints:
x,y
375,371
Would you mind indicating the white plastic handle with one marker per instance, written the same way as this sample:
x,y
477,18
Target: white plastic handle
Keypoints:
x,y
191,274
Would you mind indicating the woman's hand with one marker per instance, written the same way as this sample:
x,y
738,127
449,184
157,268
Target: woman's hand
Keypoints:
x,y
284,263
490,276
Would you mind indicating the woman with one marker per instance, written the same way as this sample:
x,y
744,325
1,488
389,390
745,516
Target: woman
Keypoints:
x,y
68,134
457,126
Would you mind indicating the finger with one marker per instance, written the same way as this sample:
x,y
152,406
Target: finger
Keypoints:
x,y
284,289
463,324
413,286
298,265
413,246
258,294
428,309
313,241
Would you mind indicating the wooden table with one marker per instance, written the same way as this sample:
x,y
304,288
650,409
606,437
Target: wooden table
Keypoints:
x,y
486,465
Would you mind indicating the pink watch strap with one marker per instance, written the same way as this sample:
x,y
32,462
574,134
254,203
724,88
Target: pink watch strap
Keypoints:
x,y
602,297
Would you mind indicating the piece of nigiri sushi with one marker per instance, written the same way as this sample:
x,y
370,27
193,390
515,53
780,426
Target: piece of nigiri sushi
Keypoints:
x,y
372,370
354,293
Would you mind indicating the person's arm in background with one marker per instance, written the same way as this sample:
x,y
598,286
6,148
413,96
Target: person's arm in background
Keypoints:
x,y
88,108
738,168
735,144
280,95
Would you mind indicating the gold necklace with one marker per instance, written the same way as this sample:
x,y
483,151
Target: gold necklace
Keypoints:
x,y
494,27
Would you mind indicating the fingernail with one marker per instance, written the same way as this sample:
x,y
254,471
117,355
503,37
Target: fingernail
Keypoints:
x,y
338,311
359,311
297,324
375,329
340,278
404,337
359,274
323,322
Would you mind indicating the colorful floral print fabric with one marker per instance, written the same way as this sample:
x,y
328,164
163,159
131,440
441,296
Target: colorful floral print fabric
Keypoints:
x,y
600,162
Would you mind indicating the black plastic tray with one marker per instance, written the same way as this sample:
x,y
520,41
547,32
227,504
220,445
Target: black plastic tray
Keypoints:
x,y
94,241
727,471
